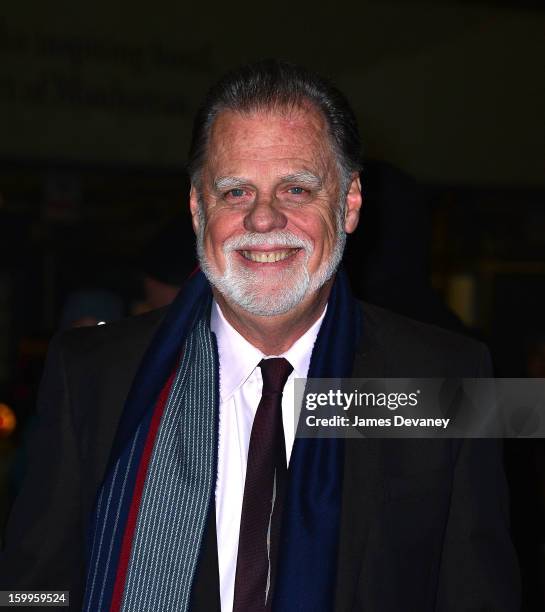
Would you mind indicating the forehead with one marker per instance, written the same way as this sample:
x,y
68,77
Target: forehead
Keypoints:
x,y
297,136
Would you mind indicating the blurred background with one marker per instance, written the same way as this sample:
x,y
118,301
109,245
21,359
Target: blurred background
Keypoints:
x,y
96,104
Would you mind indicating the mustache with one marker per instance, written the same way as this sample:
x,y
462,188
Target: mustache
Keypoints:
x,y
277,238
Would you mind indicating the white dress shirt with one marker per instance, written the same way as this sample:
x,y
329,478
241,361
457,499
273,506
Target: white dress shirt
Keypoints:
x,y
240,392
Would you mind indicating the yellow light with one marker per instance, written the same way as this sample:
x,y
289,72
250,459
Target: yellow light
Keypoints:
x,y
7,421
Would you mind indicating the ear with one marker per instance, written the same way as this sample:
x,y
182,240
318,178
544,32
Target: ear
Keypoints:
x,y
354,201
194,208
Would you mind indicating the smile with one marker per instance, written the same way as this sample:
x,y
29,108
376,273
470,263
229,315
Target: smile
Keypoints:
x,y
268,256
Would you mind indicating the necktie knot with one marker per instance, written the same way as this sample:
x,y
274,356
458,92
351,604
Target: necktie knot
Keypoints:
x,y
275,372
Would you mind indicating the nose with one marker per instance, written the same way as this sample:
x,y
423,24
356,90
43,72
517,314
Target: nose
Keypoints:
x,y
264,216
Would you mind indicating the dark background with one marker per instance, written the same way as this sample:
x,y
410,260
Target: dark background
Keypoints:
x,y
96,105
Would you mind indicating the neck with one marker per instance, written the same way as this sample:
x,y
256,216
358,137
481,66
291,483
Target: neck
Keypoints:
x,y
274,335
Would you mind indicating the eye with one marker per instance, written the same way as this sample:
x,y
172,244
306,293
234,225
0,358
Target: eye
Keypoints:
x,y
237,195
296,190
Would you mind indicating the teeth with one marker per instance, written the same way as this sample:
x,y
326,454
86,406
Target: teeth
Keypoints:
x,y
268,257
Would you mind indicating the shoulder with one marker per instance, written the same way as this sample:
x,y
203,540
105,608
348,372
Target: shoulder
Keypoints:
x,y
128,335
412,348
93,369
100,362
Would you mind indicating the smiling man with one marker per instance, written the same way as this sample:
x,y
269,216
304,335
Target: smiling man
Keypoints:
x,y
165,473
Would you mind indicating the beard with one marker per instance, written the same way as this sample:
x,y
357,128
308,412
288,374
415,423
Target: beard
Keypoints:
x,y
268,292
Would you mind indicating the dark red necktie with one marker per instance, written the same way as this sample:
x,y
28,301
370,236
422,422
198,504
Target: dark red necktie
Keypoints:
x,y
264,490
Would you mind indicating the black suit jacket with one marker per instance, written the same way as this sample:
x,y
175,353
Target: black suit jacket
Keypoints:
x,y
424,523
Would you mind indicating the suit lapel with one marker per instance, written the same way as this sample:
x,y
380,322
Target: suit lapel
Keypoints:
x,y
362,482
361,494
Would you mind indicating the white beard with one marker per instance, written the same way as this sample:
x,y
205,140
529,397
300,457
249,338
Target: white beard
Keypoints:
x,y
267,293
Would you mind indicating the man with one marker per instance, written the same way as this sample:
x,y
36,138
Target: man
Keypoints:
x,y
160,479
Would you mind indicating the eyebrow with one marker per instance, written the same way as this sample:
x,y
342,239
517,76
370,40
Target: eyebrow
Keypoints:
x,y
229,182
303,177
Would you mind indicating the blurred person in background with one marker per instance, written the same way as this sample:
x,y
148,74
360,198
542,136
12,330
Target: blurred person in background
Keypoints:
x,y
87,307
167,262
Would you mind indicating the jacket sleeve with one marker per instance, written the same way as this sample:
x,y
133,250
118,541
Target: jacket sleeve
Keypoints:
x,y
479,569
43,539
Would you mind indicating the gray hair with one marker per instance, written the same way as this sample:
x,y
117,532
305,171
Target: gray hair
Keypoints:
x,y
277,85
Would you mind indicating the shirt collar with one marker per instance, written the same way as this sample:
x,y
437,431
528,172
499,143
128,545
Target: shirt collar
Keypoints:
x,y
239,358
